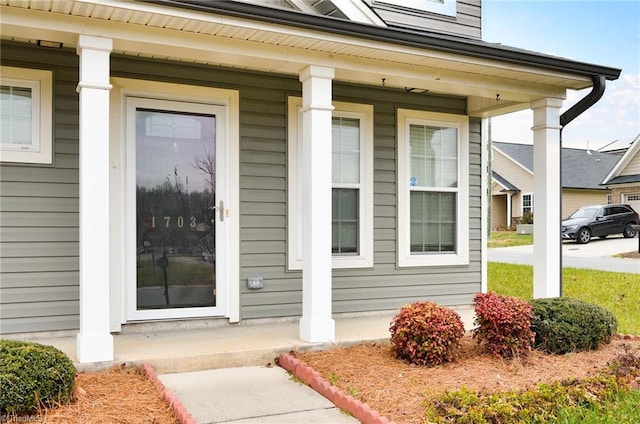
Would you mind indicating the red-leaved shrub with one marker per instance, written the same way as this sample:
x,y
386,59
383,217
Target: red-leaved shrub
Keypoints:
x,y
504,324
424,333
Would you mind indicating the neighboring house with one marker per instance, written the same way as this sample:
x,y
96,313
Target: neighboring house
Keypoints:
x,y
624,178
227,160
512,185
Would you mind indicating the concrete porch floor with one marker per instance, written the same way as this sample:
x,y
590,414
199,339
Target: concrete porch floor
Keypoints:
x,y
173,348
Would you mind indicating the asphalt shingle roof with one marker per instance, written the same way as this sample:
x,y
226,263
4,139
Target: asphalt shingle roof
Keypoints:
x,y
581,169
503,182
624,179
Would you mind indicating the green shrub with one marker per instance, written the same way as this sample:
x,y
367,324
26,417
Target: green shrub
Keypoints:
x,y
570,325
503,323
424,333
31,374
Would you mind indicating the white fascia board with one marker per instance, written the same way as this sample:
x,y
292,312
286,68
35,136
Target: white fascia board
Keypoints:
x,y
624,160
494,181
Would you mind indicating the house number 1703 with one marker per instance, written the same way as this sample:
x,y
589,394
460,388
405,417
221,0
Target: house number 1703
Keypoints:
x,y
179,221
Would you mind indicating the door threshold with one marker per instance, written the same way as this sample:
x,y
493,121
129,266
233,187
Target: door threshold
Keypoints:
x,y
139,327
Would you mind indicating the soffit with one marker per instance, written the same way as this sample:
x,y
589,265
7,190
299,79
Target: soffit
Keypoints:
x,y
149,30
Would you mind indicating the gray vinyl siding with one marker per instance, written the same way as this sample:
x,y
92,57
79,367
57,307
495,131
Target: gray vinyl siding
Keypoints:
x,y
39,212
39,209
467,22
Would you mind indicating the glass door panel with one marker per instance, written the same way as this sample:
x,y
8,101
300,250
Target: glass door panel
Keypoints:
x,y
175,209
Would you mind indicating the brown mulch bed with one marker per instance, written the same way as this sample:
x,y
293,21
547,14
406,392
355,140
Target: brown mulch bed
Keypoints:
x,y
367,371
629,255
117,395
398,390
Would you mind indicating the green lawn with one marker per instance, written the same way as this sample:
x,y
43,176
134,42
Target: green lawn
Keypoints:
x,y
508,239
617,292
621,408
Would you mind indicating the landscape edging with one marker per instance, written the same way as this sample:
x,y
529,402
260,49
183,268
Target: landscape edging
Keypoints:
x,y
183,416
355,407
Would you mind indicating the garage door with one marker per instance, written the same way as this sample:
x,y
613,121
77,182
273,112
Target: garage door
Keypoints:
x,y
633,200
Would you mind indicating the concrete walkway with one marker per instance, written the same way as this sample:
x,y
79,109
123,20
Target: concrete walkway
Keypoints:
x,y
251,395
597,254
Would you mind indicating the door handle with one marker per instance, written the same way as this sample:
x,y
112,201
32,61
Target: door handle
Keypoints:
x,y
220,209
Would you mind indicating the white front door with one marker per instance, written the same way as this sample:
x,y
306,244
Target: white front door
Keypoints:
x,y
176,232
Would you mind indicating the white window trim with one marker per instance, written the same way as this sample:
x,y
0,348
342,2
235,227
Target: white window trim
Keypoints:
x,y
461,123
444,7
295,186
41,83
522,203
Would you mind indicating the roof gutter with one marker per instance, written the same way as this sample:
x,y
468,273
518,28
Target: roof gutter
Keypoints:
x,y
418,39
599,83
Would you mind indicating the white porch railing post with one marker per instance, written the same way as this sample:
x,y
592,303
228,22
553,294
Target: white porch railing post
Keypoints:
x,y
316,324
94,341
546,198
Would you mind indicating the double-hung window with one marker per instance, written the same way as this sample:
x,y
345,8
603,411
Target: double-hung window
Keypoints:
x,y
25,115
527,204
433,189
352,185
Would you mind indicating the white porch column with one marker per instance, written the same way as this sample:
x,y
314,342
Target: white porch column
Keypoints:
x,y
316,324
509,207
95,342
546,198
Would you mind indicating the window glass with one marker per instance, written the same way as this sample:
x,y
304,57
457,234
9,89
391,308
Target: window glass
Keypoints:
x,y
434,161
346,178
346,150
16,107
434,165
433,222
345,220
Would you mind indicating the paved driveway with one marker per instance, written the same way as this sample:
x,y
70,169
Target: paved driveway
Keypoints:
x,y
597,254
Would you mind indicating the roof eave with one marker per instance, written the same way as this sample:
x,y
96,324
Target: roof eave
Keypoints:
x,y
432,41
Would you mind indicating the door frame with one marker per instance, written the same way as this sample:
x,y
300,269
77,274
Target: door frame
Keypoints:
x,y
123,206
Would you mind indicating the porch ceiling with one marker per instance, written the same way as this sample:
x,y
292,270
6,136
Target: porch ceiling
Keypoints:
x,y
153,31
